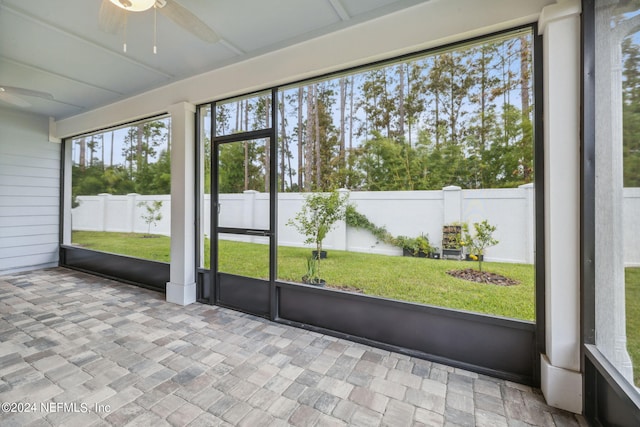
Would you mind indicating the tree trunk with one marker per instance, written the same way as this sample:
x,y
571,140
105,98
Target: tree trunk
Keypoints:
x,y
452,116
267,148
308,166
317,140
351,114
525,75
437,118
343,104
111,154
102,149
92,149
139,145
83,154
401,113
238,115
246,147
169,136
284,145
300,144
483,99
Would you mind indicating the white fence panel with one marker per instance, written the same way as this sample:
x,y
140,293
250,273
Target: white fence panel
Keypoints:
x,y
408,213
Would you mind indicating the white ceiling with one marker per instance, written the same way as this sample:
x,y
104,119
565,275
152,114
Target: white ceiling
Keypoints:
x,y
56,46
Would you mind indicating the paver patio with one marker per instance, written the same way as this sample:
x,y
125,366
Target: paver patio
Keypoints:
x,y
82,350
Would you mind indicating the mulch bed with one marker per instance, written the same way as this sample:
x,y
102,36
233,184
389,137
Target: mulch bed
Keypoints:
x,y
482,277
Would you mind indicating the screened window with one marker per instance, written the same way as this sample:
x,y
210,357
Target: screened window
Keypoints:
x,y
617,195
430,158
121,190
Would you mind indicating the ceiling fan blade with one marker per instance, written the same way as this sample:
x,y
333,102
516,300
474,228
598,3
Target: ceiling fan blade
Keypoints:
x,y
11,90
187,20
14,100
110,18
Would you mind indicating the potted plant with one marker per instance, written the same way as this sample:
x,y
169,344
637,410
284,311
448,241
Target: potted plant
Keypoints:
x,y
477,242
408,244
424,247
415,246
311,277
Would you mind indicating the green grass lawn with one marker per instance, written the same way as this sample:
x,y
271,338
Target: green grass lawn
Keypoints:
x,y
155,248
632,298
417,280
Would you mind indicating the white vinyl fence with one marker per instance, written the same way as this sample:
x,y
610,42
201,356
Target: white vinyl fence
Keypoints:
x,y
407,213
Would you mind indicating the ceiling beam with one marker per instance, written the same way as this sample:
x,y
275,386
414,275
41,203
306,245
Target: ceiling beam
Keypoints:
x,y
340,9
57,75
78,37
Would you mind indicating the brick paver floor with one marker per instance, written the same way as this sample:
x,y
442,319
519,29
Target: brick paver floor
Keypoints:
x,y
79,350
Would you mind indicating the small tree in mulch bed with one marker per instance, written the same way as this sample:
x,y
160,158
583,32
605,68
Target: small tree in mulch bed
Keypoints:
x,y
152,214
318,217
477,242
481,239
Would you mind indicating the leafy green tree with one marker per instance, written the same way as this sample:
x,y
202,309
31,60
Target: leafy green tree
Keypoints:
x,y
415,100
387,165
147,167
450,81
231,172
378,103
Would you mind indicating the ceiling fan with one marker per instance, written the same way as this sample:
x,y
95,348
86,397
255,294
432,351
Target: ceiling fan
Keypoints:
x,y
13,95
113,17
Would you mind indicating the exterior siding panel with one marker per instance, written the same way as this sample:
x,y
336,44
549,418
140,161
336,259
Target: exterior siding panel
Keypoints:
x,y
29,193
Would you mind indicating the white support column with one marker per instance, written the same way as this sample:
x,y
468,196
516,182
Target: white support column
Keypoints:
x,y
67,218
561,378
182,286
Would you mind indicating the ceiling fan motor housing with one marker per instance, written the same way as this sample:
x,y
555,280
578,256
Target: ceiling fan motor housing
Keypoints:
x,y
134,5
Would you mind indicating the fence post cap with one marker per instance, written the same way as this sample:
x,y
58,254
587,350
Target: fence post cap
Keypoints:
x,y
452,188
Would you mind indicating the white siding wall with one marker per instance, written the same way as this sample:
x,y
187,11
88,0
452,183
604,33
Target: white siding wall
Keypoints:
x,y
29,192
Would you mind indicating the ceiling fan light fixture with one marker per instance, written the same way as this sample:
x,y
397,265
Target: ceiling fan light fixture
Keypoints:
x,y
134,5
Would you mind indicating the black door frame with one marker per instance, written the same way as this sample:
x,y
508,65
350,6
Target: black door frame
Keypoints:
x,y
246,294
